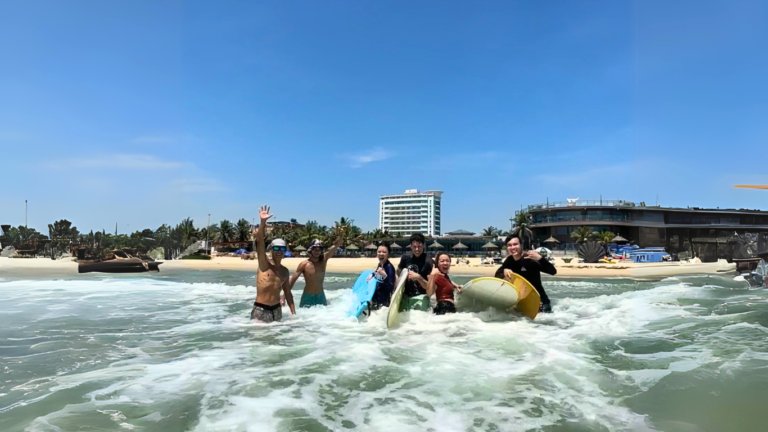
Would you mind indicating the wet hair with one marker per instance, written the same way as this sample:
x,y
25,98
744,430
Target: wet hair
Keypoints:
x,y
417,237
441,253
385,244
513,236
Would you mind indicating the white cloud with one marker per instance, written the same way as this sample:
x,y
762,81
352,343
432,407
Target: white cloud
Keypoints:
x,y
374,155
196,184
120,161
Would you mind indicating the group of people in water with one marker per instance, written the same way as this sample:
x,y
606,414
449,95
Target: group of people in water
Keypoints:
x,y
426,277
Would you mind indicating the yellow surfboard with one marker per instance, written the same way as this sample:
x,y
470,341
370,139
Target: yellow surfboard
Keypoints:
x,y
530,300
515,292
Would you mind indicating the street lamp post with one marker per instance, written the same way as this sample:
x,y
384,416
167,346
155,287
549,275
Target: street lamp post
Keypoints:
x,y
26,211
207,234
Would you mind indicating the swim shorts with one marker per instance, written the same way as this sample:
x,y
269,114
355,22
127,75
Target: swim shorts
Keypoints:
x,y
266,314
309,300
444,307
418,302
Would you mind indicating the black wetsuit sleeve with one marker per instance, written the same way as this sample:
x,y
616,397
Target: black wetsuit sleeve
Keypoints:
x,y
547,267
500,272
402,264
390,269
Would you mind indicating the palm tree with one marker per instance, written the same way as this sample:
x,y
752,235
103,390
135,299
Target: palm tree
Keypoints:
x,y
522,220
605,237
227,231
243,230
583,234
490,231
346,229
188,232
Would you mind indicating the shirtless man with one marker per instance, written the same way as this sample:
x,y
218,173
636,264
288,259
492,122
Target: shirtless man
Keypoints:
x,y
271,276
313,270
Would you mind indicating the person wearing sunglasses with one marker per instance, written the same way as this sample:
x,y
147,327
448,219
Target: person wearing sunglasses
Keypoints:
x,y
313,269
271,276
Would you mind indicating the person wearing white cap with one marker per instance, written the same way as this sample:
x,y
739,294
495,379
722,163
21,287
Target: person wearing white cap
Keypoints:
x,y
313,270
271,276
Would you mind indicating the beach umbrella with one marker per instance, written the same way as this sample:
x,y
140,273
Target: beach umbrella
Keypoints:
x,y
490,245
371,247
395,246
551,240
460,245
300,248
435,245
619,239
352,247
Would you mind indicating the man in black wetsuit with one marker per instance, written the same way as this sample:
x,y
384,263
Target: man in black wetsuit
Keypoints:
x,y
419,267
529,265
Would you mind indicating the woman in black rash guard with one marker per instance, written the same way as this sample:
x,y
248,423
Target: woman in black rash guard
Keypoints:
x,y
529,265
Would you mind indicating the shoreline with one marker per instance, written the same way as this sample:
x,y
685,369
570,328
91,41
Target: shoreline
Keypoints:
x,y
41,268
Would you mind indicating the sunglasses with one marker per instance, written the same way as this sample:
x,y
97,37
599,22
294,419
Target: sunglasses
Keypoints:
x,y
279,248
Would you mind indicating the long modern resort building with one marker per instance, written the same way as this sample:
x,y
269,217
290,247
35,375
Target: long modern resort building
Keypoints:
x,y
410,212
708,234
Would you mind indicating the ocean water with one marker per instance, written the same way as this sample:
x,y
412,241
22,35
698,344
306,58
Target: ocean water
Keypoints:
x,y
176,352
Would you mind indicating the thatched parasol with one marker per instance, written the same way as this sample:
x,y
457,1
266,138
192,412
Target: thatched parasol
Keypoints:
x,y
371,247
300,248
551,240
395,246
490,245
352,247
460,245
619,239
435,245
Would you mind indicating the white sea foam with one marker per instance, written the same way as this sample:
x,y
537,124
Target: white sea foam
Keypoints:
x,y
165,347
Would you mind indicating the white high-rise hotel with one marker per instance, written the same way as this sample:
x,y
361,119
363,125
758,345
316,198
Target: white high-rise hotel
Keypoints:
x,y
411,212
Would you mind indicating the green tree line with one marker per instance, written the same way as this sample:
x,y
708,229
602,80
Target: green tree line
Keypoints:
x,y
175,238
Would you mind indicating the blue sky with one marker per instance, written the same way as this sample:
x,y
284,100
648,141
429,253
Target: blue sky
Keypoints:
x,y
140,113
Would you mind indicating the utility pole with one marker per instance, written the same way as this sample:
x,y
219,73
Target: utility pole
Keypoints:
x,y
26,211
207,233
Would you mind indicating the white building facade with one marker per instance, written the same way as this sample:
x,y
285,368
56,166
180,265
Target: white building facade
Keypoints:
x,y
410,212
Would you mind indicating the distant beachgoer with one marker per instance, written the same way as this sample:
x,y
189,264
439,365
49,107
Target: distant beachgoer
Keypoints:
x,y
528,265
386,275
442,286
419,267
313,269
271,276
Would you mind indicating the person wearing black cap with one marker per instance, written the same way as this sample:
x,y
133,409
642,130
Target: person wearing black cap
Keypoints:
x,y
271,276
313,269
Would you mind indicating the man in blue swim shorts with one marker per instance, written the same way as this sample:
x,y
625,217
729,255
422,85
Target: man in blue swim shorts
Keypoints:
x,y
313,270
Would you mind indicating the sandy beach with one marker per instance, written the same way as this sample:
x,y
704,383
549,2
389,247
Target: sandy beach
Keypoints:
x,y
38,268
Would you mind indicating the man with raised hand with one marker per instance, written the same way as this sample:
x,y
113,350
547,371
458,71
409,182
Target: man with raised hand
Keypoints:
x,y
271,276
313,269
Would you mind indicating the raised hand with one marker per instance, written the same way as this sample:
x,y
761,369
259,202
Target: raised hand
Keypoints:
x,y
339,241
264,213
532,255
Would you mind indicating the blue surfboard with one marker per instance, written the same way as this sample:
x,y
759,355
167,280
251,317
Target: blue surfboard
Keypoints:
x,y
363,291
